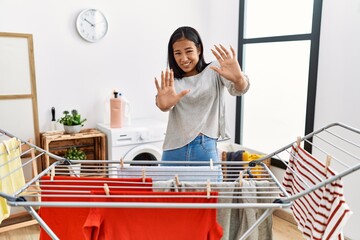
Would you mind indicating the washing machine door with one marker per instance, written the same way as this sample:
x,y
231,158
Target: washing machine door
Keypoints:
x,y
143,152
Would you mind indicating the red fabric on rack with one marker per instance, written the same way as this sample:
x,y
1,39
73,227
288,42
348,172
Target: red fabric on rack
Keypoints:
x,y
67,222
154,223
321,214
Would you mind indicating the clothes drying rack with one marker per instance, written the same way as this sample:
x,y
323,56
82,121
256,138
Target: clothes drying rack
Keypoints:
x,y
338,145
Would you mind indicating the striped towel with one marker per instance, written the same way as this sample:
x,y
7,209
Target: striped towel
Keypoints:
x,y
323,213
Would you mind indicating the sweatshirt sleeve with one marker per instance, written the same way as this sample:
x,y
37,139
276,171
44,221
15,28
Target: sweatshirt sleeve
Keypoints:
x,y
231,88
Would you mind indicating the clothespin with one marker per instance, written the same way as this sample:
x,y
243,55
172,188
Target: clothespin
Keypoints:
x,y
106,189
177,182
143,174
6,147
52,173
19,143
211,164
208,189
298,141
327,163
241,178
121,163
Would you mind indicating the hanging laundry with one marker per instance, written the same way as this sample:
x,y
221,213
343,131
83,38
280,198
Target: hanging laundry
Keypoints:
x,y
11,172
224,190
153,223
67,223
243,218
321,214
235,222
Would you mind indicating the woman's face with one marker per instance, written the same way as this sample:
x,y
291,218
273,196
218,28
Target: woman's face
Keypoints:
x,y
186,55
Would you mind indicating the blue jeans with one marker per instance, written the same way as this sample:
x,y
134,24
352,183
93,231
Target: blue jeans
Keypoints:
x,y
202,148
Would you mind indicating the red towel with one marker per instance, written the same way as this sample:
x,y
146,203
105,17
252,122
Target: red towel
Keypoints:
x,y
154,223
67,223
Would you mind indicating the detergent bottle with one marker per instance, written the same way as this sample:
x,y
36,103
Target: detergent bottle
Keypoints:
x,y
116,111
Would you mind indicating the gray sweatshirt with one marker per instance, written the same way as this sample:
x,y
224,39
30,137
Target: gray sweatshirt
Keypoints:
x,y
202,110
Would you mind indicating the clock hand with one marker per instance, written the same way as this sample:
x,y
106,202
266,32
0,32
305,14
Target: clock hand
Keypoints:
x,y
89,22
99,22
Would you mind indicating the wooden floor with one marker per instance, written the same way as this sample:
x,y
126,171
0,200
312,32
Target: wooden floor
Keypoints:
x,y
282,230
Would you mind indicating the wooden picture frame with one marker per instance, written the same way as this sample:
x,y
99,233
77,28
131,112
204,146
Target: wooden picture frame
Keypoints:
x,y
18,98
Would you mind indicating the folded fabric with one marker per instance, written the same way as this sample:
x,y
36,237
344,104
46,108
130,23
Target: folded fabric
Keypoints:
x,y
321,214
11,172
153,223
67,223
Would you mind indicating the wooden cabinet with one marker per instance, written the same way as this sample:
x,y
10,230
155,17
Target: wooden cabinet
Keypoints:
x,y
91,141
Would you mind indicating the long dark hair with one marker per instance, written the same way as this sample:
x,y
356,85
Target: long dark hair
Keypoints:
x,y
190,34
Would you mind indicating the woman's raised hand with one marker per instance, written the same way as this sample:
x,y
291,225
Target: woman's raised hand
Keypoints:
x,y
166,94
229,65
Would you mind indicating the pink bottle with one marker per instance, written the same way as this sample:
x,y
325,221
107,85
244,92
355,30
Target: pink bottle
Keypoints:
x,y
116,111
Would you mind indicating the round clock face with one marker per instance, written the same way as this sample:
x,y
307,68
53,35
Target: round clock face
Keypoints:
x,y
91,25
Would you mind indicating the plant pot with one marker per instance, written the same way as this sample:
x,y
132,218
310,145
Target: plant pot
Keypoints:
x,y
72,129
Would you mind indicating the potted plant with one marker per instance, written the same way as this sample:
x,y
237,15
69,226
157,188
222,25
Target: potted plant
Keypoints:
x,y
72,121
74,153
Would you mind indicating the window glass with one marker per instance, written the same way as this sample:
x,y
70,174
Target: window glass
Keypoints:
x,y
275,105
264,18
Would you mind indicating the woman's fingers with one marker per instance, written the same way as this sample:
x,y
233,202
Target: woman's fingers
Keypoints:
x,y
171,80
216,55
157,84
225,52
167,79
222,53
162,79
233,52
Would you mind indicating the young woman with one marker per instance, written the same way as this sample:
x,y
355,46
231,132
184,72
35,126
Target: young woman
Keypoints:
x,y
193,93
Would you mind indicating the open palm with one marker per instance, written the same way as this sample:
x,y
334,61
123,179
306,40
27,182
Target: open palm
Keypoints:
x,y
229,65
166,94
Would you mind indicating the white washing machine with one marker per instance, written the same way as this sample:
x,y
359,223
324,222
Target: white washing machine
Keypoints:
x,y
142,140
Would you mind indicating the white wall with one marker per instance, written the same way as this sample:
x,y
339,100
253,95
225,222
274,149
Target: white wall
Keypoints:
x,y
338,84
72,73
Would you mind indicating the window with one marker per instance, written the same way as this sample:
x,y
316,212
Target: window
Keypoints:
x,y
278,50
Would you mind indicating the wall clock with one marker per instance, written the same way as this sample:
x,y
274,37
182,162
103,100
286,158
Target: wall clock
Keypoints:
x,y
92,25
